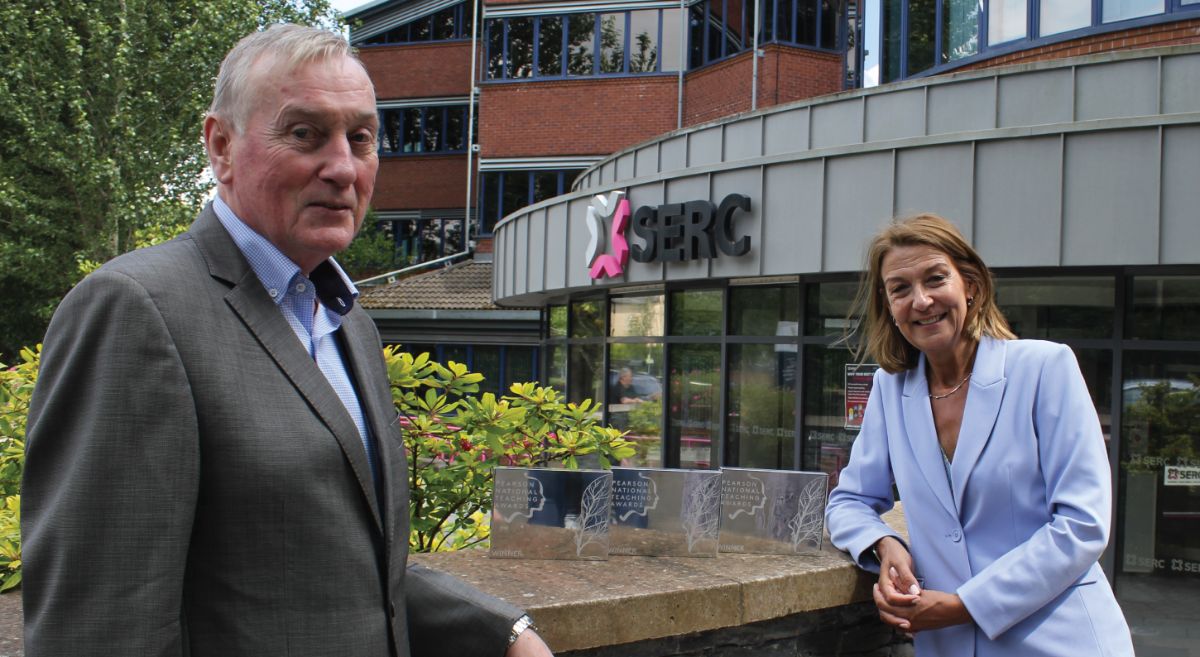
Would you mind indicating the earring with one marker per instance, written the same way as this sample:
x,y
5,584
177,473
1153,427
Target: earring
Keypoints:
x,y
895,322
970,301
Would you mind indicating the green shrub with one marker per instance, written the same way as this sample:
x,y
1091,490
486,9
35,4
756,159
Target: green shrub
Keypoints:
x,y
455,440
16,387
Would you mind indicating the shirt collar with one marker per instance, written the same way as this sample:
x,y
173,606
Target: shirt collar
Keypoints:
x,y
276,271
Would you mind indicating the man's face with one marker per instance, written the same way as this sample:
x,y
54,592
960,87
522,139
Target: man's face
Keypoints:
x,y
301,170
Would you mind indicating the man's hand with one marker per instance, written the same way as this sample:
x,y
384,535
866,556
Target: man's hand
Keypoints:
x,y
529,644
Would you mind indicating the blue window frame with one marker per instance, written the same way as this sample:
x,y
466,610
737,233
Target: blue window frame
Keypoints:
x,y
424,239
449,24
423,130
503,192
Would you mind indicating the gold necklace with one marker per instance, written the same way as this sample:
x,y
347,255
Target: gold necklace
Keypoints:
x,y
953,390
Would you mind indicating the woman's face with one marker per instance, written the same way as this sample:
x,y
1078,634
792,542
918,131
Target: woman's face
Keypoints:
x,y
927,296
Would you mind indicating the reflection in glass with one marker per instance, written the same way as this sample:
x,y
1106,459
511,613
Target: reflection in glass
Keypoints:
x,y
827,306
1059,308
643,37
413,142
453,239
671,40
520,48
826,439
455,134
1164,308
516,192
696,312
761,420
612,43
1118,10
550,46
587,375
556,367
489,192
1064,15
960,29
892,36
922,29
495,48
587,318
764,310
695,403
581,43
485,360
1006,20
433,128
636,316
558,321
635,398
831,22
431,240
545,185
1158,501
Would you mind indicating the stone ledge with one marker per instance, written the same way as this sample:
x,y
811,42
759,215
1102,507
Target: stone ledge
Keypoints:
x,y
588,604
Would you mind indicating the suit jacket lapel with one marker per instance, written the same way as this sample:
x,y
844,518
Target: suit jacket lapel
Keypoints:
x,y
922,435
258,311
979,416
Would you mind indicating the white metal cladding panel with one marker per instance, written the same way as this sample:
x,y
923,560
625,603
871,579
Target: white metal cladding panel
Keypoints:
x,y
1018,201
1181,195
937,179
962,106
1117,89
743,139
792,206
704,146
647,160
500,274
520,251
672,156
837,123
852,216
746,181
576,243
608,172
625,168
895,115
1110,198
651,194
785,132
1181,84
555,253
681,190
1036,98
537,250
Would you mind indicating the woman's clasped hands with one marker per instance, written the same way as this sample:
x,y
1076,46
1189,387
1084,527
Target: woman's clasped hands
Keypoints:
x,y
901,600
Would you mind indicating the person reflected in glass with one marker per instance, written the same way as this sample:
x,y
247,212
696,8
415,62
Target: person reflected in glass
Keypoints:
x,y
625,392
997,453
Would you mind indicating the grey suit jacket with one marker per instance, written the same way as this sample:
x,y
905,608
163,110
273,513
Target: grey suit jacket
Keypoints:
x,y
194,486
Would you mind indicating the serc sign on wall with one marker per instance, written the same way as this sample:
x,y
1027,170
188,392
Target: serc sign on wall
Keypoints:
x,y
672,232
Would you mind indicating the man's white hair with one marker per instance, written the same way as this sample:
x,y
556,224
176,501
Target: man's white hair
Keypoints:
x,y
283,48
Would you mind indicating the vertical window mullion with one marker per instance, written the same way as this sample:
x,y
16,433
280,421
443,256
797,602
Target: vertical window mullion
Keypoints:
x,y
537,27
627,50
658,44
596,43
903,45
938,15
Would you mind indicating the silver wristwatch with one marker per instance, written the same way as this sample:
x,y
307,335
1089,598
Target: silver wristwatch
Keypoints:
x,y
523,623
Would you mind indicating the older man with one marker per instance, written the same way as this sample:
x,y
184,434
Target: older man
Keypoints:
x,y
214,466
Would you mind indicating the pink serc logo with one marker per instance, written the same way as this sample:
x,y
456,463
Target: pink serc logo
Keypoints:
x,y
612,264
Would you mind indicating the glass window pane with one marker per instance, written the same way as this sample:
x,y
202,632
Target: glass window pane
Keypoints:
x,y
454,352
550,46
408,243
828,304
486,361
696,22
468,21
557,322
1065,15
495,48
456,136
672,40
635,398
636,316
581,43
612,43
489,193
891,40
443,24
516,192
556,367
762,406
587,318
922,28
763,310
871,52
454,235
518,363
1058,308
831,22
520,47
586,375
1118,10
1158,508
696,312
806,21
391,131
432,128
960,29
1164,308
1006,20
413,141
737,37
420,29
827,438
431,239
695,403
545,185
643,41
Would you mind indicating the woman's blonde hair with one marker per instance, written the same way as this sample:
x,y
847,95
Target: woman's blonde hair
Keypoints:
x,y
879,336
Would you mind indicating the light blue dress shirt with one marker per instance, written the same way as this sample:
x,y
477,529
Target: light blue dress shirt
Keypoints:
x,y
314,314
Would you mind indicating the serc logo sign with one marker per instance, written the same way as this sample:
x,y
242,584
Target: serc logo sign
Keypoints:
x,y
612,264
672,232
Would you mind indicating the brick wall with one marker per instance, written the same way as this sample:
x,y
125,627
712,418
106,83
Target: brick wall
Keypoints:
x,y
785,74
1150,36
419,70
593,116
424,181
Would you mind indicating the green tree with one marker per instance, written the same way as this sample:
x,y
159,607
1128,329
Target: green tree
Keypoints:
x,y
100,151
